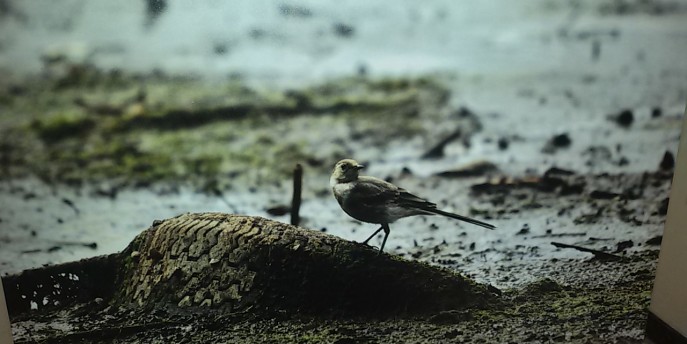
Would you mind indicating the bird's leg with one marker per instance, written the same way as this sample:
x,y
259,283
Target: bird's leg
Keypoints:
x,y
387,230
373,235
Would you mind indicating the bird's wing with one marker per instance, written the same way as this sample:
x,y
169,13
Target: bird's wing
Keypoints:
x,y
371,192
408,200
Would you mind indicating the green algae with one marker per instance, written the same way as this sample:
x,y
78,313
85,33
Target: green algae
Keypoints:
x,y
87,125
63,125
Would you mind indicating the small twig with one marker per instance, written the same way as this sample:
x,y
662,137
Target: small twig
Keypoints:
x,y
438,150
70,204
597,254
296,200
92,245
558,235
58,246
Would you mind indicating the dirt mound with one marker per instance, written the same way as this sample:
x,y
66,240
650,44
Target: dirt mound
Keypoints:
x,y
236,263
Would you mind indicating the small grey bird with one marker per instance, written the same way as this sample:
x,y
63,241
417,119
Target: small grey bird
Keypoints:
x,y
373,200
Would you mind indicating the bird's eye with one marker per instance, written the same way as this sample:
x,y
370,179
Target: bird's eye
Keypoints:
x,y
345,167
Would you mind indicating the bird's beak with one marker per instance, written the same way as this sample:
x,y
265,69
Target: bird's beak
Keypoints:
x,y
359,167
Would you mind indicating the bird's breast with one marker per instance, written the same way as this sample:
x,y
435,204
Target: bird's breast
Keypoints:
x,y
341,191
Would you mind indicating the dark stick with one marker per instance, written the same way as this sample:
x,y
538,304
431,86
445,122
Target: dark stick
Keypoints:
x,y
438,150
296,200
596,253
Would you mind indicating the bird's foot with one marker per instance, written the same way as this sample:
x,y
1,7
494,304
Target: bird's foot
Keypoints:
x,y
372,247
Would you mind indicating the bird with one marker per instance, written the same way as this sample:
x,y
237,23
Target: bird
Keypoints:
x,y
372,200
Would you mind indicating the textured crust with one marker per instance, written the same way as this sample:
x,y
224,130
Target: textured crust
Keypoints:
x,y
239,262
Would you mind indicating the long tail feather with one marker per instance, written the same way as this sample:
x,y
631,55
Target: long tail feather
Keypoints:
x,y
461,218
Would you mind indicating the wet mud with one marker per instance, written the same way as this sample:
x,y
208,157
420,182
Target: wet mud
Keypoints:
x,y
242,279
558,124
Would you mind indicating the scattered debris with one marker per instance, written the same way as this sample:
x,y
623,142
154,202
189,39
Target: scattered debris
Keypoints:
x,y
343,30
294,11
549,234
589,218
624,118
60,244
561,140
154,8
655,241
656,112
278,210
624,245
554,179
597,254
503,143
558,171
437,151
601,194
475,169
663,206
668,161
524,230
556,142
69,203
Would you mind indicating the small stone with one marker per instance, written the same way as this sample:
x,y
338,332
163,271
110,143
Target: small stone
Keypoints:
x,y
624,118
556,142
623,245
656,112
524,230
655,241
562,140
503,143
279,210
343,30
663,206
474,169
668,161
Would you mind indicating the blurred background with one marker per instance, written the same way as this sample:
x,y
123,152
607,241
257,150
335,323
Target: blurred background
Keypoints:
x,y
115,114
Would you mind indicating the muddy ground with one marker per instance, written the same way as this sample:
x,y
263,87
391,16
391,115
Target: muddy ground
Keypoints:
x,y
563,119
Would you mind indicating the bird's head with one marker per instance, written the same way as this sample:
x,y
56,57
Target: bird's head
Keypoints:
x,y
346,171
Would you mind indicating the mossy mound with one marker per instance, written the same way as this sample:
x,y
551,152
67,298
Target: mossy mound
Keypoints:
x,y
228,263
238,262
